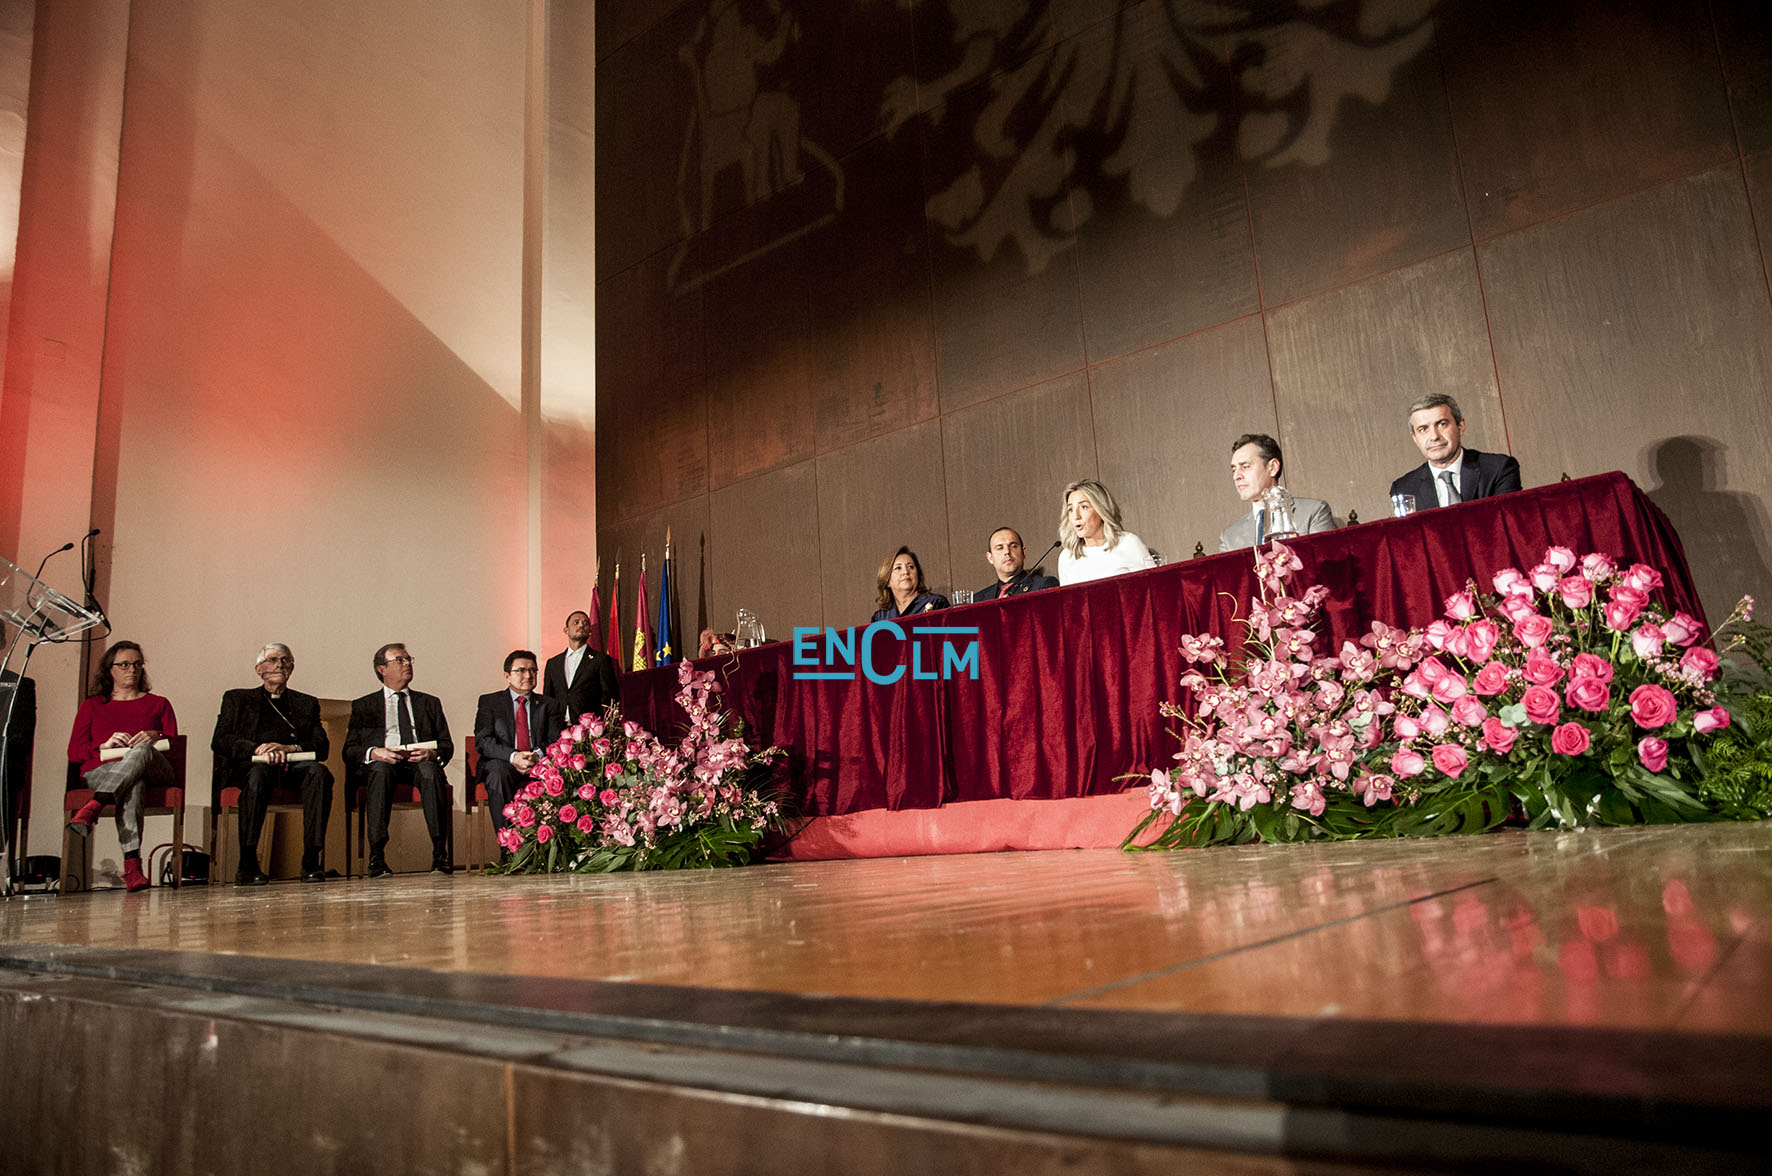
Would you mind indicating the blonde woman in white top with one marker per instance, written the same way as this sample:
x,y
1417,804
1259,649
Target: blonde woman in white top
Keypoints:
x,y
1096,545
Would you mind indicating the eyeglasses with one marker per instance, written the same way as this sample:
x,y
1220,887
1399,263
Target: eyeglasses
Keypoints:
x,y
405,661
278,661
131,665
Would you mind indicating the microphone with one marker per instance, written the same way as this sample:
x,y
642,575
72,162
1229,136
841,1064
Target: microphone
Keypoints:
x,y
68,546
1031,566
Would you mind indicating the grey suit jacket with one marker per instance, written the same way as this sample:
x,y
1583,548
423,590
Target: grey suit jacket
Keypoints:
x,y
1311,515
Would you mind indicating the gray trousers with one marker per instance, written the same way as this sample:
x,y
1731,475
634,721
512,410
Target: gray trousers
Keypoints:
x,y
122,781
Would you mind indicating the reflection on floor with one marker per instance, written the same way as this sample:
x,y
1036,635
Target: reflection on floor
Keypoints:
x,y
1660,928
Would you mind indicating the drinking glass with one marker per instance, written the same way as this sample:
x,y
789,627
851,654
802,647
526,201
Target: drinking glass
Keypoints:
x,y
1402,504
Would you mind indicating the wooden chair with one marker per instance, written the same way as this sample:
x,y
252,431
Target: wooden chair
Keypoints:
x,y
474,803
156,802
224,820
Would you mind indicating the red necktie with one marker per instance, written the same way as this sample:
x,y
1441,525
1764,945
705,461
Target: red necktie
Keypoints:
x,y
522,725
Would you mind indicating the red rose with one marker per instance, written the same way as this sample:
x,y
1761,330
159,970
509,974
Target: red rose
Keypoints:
x,y
1575,591
1570,739
1498,735
1407,763
1533,630
1541,669
1541,704
1450,759
1590,694
1699,662
1714,719
1681,628
1491,679
1652,706
1450,689
1588,665
1653,753
1480,638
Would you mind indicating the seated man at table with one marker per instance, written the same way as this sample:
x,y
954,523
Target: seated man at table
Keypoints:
x,y
580,678
271,723
1005,553
512,727
380,749
1256,467
1451,474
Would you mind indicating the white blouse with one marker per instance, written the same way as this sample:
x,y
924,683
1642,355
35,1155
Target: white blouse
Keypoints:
x,y
1128,554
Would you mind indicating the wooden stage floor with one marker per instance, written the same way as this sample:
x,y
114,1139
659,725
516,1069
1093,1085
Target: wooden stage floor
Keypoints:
x,y
1643,929
1580,1002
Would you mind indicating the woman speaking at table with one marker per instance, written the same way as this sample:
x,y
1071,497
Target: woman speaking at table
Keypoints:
x,y
1096,545
901,589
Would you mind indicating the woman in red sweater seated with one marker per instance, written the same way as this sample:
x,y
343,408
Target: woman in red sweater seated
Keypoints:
x,y
121,713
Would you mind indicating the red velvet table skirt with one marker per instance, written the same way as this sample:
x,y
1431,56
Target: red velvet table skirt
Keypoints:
x,y
1069,680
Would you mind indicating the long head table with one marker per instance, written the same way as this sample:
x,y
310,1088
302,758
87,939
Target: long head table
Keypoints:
x,y
1069,680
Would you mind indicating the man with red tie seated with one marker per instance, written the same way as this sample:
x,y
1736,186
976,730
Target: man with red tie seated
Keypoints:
x,y
1451,474
512,728
381,750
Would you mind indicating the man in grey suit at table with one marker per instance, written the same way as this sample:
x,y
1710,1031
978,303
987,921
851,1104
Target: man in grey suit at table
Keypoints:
x,y
1451,474
1256,466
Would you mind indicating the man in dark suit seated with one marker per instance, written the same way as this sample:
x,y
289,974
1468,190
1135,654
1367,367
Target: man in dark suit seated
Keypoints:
x,y
1005,553
512,727
579,678
379,750
1451,474
20,695
273,722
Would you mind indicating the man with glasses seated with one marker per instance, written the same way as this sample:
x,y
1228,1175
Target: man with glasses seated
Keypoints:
x,y
272,723
386,726
512,727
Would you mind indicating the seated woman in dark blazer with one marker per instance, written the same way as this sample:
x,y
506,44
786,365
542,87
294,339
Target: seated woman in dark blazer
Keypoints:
x,y
901,588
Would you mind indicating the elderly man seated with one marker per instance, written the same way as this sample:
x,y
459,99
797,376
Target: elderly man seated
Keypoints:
x,y
270,736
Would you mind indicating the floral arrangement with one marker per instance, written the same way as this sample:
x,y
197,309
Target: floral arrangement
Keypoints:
x,y
609,795
1564,698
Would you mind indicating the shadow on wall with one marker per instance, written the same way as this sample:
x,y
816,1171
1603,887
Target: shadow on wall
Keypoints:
x,y
1725,532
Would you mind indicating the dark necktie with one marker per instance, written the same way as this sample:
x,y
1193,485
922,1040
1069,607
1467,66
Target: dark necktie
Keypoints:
x,y
406,736
522,724
1452,498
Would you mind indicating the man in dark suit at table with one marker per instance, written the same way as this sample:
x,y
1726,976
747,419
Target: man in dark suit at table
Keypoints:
x,y
380,751
512,727
579,678
273,722
1256,467
1451,474
1005,554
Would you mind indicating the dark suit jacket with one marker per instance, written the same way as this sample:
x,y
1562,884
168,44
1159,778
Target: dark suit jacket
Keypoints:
x,y
249,718
495,725
595,688
1025,581
1480,475
22,737
369,724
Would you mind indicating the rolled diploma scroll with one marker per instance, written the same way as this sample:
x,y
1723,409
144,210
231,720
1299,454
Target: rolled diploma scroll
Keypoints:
x,y
107,754
294,757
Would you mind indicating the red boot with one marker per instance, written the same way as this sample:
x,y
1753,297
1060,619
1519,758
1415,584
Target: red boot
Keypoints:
x,y
133,878
83,820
